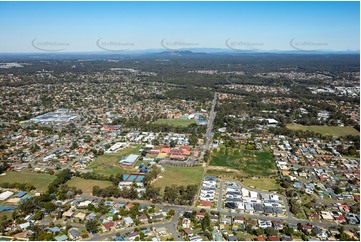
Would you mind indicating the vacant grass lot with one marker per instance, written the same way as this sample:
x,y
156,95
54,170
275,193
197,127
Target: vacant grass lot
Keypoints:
x,y
221,173
175,122
87,185
326,130
109,164
249,163
39,180
179,176
265,184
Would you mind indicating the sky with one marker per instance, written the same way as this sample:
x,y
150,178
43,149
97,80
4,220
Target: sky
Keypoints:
x,y
116,26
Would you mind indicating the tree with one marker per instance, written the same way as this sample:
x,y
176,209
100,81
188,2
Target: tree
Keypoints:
x,y
338,190
289,231
258,231
49,206
4,222
170,194
171,212
270,231
26,207
84,234
141,236
206,222
38,215
92,226
172,143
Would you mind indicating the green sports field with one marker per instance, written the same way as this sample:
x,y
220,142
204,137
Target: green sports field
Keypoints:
x,y
175,122
326,130
39,180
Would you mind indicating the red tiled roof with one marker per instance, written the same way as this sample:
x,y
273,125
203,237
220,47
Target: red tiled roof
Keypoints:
x,y
205,203
199,214
108,225
273,238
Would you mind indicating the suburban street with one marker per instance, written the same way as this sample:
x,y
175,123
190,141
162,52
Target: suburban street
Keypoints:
x,y
220,194
170,225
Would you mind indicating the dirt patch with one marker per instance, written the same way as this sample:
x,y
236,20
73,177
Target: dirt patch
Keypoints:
x,y
14,200
221,168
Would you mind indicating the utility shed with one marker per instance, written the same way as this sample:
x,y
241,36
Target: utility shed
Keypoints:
x,y
20,194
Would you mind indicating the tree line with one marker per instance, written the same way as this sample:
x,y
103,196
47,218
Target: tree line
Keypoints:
x,y
20,186
180,195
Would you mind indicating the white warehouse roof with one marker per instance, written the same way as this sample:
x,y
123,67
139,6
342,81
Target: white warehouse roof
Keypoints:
x,y
5,195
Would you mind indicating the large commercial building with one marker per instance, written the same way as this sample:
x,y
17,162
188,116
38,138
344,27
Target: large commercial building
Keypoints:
x,y
129,160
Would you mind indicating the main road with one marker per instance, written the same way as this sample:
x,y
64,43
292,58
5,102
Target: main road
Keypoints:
x,y
208,136
212,115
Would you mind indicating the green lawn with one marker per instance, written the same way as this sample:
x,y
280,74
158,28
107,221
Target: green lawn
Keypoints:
x,y
326,130
6,213
249,163
179,176
265,184
109,164
132,149
175,122
39,180
87,185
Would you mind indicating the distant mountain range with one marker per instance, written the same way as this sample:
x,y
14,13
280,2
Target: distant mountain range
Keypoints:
x,y
162,53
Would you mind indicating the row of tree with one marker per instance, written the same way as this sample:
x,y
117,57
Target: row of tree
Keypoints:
x,y
20,186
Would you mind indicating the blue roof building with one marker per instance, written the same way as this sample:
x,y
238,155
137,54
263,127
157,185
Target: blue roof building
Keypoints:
x,y
20,194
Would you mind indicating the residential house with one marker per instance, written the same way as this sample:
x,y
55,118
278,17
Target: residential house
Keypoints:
x,y
226,221
132,236
143,218
162,231
277,225
24,226
156,217
232,238
80,217
188,232
68,215
109,226
54,229
128,221
213,218
273,238
238,220
306,228
74,234
199,215
129,206
91,216
186,223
